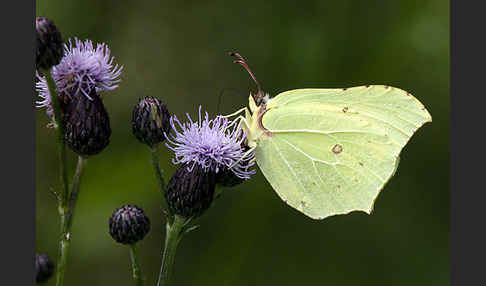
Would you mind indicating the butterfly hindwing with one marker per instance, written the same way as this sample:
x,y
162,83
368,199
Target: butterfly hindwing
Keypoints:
x,y
332,150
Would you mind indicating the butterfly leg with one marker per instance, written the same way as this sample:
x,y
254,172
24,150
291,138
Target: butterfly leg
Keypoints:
x,y
246,154
236,112
245,120
238,120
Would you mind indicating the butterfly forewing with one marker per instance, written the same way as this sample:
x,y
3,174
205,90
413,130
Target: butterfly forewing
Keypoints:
x,y
332,150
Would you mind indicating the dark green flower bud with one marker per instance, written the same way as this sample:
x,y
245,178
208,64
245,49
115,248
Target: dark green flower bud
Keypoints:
x,y
150,119
87,124
129,224
190,192
44,268
49,46
227,178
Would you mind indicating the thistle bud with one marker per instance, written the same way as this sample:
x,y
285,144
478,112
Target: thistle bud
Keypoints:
x,y
49,46
43,268
129,224
227,178
150,119
190,192
87,125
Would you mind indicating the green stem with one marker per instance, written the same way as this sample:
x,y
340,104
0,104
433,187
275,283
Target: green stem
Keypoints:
x,y
64,242
67,216
63,207
75,191
59,125
136,269
172,238
160,178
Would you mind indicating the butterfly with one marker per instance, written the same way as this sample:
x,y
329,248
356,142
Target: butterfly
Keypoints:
x,y
329,151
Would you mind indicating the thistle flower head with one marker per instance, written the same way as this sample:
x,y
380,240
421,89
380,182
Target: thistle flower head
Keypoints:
x,y
190,193
150,120
43,91
87,128
44,268
128,224
48,44
216,145
85,68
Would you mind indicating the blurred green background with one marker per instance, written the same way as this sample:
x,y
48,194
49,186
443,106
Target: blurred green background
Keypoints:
x,y
177,52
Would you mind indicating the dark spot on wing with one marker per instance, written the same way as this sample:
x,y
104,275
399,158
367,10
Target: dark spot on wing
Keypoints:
x,y
361,164
337,149
345,109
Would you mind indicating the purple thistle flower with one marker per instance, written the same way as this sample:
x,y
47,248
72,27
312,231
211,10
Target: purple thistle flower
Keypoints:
x,y
43,90
82,69
215,145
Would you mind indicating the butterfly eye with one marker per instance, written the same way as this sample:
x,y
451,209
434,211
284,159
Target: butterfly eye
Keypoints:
x,y
258,100
259,97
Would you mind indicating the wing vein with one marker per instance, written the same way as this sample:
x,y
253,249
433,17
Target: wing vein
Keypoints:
x,y
288,165
322,132
362,174
306,155
349,186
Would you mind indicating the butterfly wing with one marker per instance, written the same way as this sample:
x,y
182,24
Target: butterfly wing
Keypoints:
x,y
331,151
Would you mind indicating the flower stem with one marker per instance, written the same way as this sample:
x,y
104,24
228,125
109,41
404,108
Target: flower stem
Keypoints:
x,y
75,191
136,269
59,125
160,178
174,234
64,242
67,215
63,206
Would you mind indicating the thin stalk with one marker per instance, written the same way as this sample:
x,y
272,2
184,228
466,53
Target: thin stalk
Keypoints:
x,y
136,269
59,125
75,191
66,223
158,174
63,207
64,242
173,236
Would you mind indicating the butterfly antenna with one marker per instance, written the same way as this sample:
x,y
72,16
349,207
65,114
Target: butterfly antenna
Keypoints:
x,y
241,61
